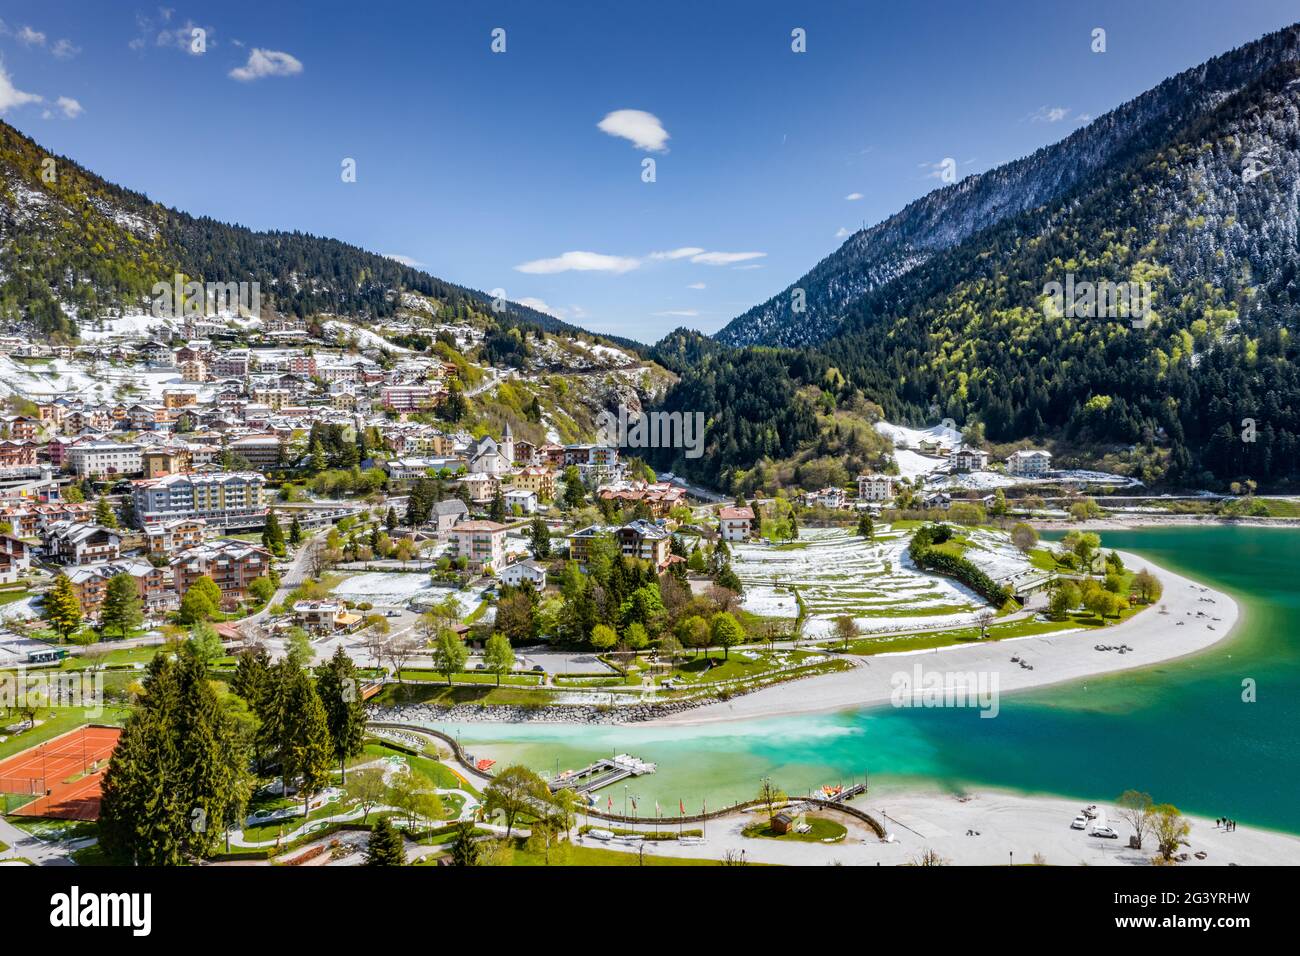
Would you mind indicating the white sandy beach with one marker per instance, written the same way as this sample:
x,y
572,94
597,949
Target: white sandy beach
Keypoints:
x,y
1005,828
1154,636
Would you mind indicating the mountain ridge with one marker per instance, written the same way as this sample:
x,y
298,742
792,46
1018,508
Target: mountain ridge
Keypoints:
x,y
872,259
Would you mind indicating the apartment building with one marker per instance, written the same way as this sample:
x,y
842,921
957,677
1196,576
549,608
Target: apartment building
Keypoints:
x,y
217,498
105,458
170,537
480,542
90,583
70,542
232,565
875,487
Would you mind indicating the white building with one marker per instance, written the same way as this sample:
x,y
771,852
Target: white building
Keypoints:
x,y
969,459
523,572
1029,463
105,458
523,498
875,487
735,524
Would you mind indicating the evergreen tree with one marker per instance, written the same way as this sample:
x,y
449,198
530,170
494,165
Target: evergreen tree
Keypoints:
x,y
386,846
497,510
273,536
345,711
865,527
574,494
121,607
104,514
295,531
60,607
539,536
390,522
178,777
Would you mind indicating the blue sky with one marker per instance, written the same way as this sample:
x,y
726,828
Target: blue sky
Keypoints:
x,y
487,168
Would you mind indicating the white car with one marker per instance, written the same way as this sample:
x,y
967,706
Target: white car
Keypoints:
x,y
1104,832
1078,823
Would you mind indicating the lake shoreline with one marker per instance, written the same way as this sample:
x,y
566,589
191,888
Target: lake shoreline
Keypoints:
x,y
1155,638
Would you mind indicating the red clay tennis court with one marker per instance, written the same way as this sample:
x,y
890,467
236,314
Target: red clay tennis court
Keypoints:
x,y
64,774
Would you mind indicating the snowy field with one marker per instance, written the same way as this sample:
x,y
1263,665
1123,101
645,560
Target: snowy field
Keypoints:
x,y
839,573
45,379
395,589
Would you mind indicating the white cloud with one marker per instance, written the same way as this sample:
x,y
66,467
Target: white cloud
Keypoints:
x,y
680,313
404,260
841,232
697,285
64,50
11,96
1049,114
748,267
640,128
1083,118
29,37
579,261
266,63
182,38
682,253
725,258
854,197
541,306
71,108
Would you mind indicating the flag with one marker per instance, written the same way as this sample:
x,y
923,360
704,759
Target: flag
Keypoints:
x,y
634,804
610,806
681,806
656,808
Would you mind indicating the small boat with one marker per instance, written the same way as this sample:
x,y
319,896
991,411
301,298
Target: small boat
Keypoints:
x,y
484,764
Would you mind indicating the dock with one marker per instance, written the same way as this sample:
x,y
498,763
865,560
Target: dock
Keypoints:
x,y
601,773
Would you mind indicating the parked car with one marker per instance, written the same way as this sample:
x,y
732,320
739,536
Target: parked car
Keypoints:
x,y
1078,823
1105,833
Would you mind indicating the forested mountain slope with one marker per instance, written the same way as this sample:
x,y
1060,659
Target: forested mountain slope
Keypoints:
x,y
883,255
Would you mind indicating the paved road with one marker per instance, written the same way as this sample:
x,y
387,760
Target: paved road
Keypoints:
x,y
299,571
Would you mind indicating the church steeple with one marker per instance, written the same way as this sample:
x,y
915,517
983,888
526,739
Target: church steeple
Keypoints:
x,y
508,444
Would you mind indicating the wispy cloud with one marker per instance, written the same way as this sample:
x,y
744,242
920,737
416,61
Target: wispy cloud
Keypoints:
x,y
29,37
854,197
697,285
70,107
643,130
684,252
64,49
579,261
1049,114
404,260
266,63
680,313
726,258
10,95
541,306
841,232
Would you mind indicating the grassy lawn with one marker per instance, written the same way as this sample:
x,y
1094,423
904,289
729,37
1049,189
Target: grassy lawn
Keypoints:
x,y
597,856
925,640
822,831
438,774
473,677
734,667
9,595
442,695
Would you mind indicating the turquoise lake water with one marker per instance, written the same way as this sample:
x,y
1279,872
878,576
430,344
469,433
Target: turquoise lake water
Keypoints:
x,y
1179,731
